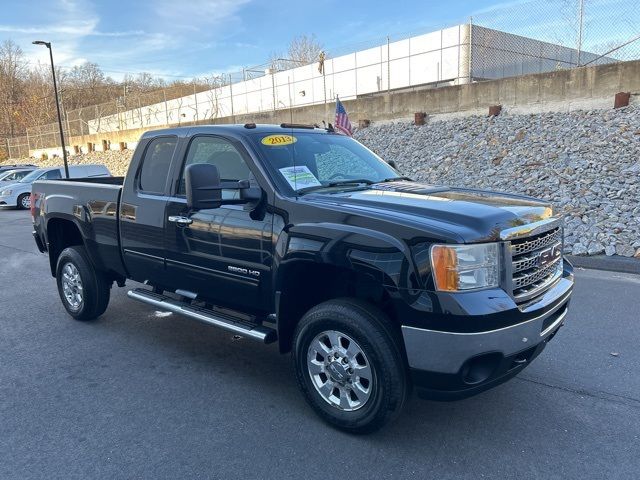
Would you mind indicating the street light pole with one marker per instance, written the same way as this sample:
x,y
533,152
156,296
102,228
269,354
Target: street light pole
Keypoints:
x,y
55,90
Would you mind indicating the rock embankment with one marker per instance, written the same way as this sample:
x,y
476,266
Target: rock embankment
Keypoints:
x,y
586,162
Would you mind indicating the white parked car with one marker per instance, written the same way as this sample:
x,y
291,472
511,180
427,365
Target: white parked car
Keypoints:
x,y
18,194
12,176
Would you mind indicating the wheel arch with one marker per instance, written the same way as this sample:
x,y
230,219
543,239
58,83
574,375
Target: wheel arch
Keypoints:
x,y
61,233
320,261
305,284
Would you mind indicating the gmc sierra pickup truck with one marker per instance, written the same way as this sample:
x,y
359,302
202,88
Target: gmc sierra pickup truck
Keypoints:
x,y
298,235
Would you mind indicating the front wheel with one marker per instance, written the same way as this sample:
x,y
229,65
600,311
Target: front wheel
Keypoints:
x,y
24,201
84,291
349,366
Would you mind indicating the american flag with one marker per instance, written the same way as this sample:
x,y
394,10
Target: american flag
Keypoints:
x,y
343,125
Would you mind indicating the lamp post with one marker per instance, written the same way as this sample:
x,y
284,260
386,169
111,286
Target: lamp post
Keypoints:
x,y
55,90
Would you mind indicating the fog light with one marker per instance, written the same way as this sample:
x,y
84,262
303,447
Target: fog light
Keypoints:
x,y
479,369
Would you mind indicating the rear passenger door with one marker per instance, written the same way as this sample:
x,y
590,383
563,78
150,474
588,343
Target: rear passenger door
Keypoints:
x,y
142,219
224,255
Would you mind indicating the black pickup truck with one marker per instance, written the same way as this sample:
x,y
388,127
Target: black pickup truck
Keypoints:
x,y
298,235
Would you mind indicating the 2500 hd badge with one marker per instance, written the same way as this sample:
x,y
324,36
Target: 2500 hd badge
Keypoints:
x,y
243,271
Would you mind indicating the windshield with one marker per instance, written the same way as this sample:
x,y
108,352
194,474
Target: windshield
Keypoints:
x,y
302,162
31,177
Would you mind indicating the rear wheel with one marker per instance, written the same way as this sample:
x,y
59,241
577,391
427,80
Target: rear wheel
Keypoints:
x,y
349,366
24,201
84,291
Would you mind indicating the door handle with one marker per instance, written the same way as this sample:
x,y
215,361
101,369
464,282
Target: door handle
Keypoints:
x,y
180,220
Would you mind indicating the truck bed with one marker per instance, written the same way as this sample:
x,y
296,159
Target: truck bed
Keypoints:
x,y
92,204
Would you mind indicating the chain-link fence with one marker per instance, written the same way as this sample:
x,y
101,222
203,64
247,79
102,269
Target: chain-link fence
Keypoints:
x,y
548,34
76,122
520,38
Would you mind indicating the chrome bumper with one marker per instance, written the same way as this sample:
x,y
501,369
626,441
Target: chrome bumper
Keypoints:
x,y
446,352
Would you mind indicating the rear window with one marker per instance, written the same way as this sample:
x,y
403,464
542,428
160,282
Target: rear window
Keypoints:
x,y
155,165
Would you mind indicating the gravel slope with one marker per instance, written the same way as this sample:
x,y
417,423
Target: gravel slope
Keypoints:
x,y
586,162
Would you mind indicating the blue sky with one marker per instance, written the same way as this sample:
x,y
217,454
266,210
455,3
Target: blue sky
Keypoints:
x,y
186,38
196,37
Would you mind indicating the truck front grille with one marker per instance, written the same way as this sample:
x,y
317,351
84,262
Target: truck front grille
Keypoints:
x,y
536,263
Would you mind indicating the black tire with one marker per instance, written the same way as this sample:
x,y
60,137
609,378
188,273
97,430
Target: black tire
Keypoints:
x,y
374,335
96,288
21,201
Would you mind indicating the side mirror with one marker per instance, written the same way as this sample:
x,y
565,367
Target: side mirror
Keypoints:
x,y
392,164
204,188
202,183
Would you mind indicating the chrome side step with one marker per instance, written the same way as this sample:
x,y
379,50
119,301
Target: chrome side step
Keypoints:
x,y
211,317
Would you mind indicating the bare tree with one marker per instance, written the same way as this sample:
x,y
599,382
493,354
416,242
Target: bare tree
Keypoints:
x,y
87,95
305,48
12,72
302,50
214,85
38,102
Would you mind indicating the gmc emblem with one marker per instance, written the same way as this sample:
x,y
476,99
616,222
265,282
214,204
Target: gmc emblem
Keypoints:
x,y
548,255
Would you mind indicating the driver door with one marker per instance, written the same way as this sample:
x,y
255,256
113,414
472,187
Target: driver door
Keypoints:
x,y
223,254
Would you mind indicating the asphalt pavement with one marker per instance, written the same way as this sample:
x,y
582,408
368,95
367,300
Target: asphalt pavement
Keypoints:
x,y
141,394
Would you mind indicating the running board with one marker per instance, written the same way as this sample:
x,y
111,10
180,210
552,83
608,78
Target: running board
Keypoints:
x,y
211,317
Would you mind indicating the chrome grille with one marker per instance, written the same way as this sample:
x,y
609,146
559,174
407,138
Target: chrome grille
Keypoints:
x,y
535,275
536,263
518,247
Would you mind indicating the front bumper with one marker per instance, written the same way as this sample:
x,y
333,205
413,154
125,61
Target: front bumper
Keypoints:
x,y
9,200
451,365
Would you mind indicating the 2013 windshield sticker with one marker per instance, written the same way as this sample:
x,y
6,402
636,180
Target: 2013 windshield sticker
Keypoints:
x,y
299,177
278,140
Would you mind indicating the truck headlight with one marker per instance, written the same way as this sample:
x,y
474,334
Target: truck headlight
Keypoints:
x,y
4,193
465,267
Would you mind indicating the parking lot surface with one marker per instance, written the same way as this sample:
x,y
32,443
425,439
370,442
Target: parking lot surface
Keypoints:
x,y
143,394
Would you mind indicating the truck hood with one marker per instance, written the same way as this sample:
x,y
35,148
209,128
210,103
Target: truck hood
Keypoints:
x,y
467,215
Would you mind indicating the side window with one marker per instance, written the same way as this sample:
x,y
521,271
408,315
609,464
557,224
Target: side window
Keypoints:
x,y
155,164
51,175
223,154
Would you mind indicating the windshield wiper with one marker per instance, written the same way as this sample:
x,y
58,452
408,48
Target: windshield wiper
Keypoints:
x,y
351,181
338,183
396,179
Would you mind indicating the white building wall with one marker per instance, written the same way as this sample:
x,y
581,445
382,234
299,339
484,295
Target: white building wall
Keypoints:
x,y
413,61
440,56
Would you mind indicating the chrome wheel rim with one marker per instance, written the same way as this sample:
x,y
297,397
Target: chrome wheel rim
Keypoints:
x,y
26,201
72,286
340,371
